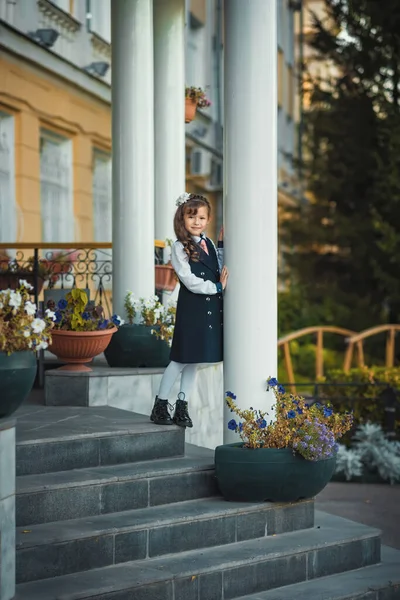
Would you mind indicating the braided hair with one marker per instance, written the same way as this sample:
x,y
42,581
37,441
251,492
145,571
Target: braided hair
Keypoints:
x,y
190,207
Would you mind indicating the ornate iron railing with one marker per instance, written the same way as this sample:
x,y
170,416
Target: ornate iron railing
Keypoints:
x,y
52,268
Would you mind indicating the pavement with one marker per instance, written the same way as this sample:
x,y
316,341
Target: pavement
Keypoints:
x,y
376,505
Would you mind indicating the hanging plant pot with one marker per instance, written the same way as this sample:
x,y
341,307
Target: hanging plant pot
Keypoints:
x,y
17,374
11,280
190,109
269,474
76,348
165,278
134,346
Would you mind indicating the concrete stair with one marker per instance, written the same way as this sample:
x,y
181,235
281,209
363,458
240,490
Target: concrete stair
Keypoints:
x,y
112,507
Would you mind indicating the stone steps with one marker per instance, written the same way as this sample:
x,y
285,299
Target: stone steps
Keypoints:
x,y
53,439
47,551
376,582
228,571
101,490
109,507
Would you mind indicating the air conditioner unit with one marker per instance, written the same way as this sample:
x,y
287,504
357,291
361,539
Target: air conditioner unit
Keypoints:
x,y
216,177
197,162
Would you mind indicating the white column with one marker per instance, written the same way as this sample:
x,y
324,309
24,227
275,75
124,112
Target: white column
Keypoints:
x,y
169,111
133,149
250,167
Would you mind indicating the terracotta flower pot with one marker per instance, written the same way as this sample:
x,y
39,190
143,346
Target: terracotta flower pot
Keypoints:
x,y
165,278
190,109
75,348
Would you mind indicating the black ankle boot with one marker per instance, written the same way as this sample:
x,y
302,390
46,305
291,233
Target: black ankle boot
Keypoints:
x,y
160,414
181,416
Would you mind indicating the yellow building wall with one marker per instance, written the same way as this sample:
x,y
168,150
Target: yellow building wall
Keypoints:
x,y
37,99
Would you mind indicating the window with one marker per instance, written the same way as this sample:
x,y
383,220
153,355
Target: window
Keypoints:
x,y
100,18
8,229
281,67
196,54
102,197
290,91
56,194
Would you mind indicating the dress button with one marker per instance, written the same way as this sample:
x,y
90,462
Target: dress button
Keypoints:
x,y
208,299
209,312
202,273
210,326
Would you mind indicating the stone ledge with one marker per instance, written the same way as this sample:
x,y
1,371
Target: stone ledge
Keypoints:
x,y
135,389
7,509
7,424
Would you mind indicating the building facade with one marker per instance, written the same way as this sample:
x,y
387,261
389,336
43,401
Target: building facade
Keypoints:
x,y
55,115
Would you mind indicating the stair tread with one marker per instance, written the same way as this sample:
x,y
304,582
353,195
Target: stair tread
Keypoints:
x,y
330,531
341,586
46,424
154,516
112,473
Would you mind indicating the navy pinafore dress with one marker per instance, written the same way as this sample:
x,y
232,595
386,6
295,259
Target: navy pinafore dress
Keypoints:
x,y
198,335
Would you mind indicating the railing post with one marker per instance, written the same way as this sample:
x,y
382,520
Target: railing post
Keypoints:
x,y
319,354
389,397
390,343
36,274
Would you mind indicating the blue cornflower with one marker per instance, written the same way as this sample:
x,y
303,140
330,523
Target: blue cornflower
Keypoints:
x,y
86,316
231,395
104,324
272,382
327,411
299,411
262,423
240,427
62,304
116,320
232,425
291,414
281,389
58,316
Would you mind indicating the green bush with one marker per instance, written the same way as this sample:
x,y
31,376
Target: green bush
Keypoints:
x,y
362,399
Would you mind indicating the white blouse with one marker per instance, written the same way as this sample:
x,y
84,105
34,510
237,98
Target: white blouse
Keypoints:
x,y
180,262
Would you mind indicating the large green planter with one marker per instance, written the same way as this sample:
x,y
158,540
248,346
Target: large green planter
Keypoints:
x,y
268,474
17,374
134,346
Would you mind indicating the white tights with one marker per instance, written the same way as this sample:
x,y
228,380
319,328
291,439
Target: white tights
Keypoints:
x,y
170,375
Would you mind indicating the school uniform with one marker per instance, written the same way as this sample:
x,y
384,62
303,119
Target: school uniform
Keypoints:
x,y
198,334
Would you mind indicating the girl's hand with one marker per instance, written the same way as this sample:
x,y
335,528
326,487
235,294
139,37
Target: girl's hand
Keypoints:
x,y
221,234
224,277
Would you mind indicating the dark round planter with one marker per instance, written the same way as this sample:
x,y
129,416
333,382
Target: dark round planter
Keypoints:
x,y
133,346
268,474
17,374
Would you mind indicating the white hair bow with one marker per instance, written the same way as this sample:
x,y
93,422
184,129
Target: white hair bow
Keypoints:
x,y
183,198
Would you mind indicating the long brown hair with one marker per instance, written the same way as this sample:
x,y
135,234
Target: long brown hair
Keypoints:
x,y
190,207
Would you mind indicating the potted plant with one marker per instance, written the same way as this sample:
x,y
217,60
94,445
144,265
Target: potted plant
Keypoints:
x,y
80,330
166,278
195,98
22,333
282,460
12,271
146,339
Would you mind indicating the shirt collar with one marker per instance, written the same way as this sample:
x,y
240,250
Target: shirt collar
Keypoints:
x,y
198,239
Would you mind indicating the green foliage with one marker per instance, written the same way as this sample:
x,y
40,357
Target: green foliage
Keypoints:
x,y
345,243
363,400
76,314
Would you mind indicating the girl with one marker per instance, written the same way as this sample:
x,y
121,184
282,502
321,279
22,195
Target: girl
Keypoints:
x,y
198,335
